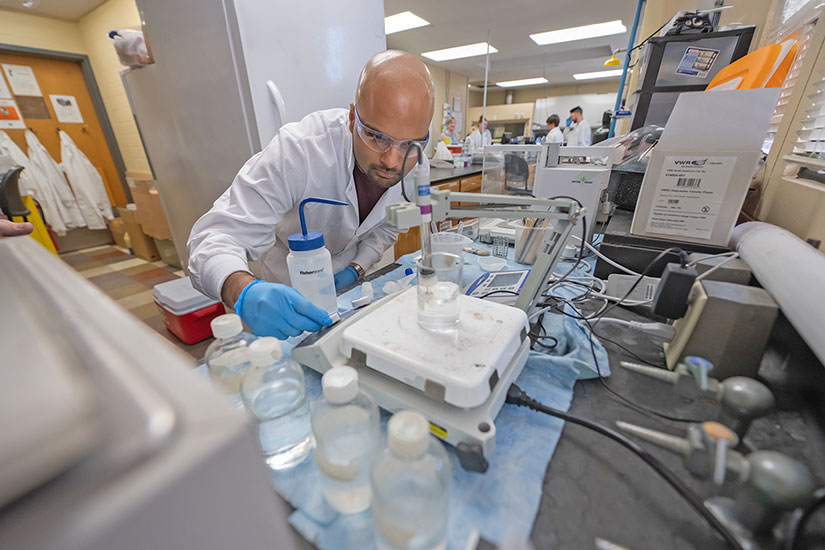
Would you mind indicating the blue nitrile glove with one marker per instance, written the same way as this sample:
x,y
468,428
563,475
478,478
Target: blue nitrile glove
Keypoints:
x,y
272,309
345,277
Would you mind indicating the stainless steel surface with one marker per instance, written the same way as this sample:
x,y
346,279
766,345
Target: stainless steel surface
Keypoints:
x,y
170,453
204,107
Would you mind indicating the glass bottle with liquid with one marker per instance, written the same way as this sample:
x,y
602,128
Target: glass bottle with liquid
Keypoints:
x,y
273,391
310,264
411,487
345,424
228,356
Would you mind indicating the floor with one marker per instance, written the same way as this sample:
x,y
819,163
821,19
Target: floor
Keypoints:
x,y
129,281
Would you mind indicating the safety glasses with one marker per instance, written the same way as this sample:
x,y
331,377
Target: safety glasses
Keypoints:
x,y
380,142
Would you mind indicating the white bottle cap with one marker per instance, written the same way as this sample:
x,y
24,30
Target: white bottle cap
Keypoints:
x,y
226,326
340,384
408,434
265,351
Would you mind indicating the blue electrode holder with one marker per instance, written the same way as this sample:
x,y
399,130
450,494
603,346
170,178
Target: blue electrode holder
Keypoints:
x,y
308,240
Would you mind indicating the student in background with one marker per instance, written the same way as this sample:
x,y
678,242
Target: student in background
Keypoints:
x,y
579,135
449,137
476,140
554,134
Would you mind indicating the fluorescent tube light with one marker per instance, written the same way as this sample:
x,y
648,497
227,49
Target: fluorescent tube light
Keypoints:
x,y
597,74
403,21
459,52
579,33
522,82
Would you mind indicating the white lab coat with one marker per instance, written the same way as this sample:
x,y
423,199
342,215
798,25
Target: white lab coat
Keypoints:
x,y
554,136
476,141
27,183
579,135
50,178
254,217
86,183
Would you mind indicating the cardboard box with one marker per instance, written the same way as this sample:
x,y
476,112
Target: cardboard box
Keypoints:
x,y
167,251
700,170
118,229
150,210
142,246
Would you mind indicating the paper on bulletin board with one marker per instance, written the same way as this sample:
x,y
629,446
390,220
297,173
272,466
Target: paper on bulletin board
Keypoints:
x,y
10,117
22,80
5,93
689,194
66,109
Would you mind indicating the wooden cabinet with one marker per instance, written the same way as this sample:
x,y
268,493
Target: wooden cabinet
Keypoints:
x,y
411,240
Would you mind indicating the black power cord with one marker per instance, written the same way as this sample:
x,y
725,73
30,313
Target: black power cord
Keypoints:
x,y
684,260
797,530
516,396
640,408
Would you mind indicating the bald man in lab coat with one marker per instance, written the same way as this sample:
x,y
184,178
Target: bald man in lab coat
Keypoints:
x,y
352,155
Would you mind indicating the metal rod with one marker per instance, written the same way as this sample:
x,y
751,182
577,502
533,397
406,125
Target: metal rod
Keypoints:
x,y
636,17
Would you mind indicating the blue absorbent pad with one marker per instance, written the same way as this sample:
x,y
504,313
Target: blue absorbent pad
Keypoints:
x,y
504,501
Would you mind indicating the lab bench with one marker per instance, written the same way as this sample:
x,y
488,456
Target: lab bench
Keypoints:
x,y
592,488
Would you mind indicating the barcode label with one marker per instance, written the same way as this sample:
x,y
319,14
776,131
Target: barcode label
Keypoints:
x,y
673,201
688,182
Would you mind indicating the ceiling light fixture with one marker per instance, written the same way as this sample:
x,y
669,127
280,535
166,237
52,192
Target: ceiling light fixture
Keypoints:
x,y
579,33
460,52
597,74
403,21
522,82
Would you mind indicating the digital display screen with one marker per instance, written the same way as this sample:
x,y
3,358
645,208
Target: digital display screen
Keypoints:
x,y
506,279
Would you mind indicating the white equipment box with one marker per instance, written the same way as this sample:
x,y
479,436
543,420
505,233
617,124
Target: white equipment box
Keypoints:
x,y
581,173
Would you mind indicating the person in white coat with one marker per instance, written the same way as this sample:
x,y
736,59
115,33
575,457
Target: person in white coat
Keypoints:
x,y
355,156
480,136
580,131
554,135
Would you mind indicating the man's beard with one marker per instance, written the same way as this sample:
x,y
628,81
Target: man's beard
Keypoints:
x,y
375,179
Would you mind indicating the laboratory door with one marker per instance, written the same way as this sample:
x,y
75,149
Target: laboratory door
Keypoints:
x,y
63,103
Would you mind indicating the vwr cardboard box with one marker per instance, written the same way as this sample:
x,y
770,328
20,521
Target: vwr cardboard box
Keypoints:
x,y
150,210
701,168
142,246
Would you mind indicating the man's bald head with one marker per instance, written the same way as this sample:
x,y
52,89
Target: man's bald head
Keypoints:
x,y
395,97
396,86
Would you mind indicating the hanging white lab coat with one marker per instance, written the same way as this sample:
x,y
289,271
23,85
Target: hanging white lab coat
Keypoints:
x,y
579,135
26,184
50,178
87,184
476,142
254,217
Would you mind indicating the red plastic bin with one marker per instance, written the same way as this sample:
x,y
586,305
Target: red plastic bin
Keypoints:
x,y
186,312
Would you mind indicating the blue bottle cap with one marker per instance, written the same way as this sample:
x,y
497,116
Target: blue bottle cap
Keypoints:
x,y
312,240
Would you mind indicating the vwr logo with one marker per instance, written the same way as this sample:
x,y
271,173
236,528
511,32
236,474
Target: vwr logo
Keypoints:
x,y
691,162
312,271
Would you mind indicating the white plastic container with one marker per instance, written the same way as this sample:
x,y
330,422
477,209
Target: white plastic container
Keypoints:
x,y
449,242
310,264
273,391
411,487
228,356
346,429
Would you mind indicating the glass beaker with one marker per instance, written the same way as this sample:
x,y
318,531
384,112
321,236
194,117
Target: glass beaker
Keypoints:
x,y
439,287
